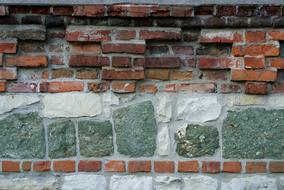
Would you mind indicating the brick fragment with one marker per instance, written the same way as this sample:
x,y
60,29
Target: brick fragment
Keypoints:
x,y
61,73
188,166
89,166
115,166
260,88
8,73
64,166
210,167
2,86
191,87
27,61
277,88
27,166
135,47
98,86
164,166
255,167
254,75
148,88
230,88
276,35
257,62
67,86
10,166
139,166
277,62
88,61
87,33
276,166
123,87
129,74
41,166
215,75
86,74
23,87
232,167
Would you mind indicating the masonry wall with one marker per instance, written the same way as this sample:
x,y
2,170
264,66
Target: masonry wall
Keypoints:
x,y
142,97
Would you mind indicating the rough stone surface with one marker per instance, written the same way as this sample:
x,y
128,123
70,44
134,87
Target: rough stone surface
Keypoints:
x,y
10,102
200,182
61,139
198,109
164,108
136,129
168,183
197,140
164,141
251,183
95,138
22,136
84,182
71,105
109,99
130,182
254,133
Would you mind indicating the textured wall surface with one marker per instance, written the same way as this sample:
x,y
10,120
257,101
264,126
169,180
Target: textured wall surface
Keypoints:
x,y
142,97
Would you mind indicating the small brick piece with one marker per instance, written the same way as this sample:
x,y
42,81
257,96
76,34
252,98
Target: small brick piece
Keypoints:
x,y
87,34
254,75
123,87
230,88
86,48
115,166
88,61
136,47
157,74
21,87
181,75
276,35
119,61
218,62
182,11
89,166
164,166
277,63
2,86
86,74
27,61
98,86
255,167
161,34
226,36
260,88
89,10
125,35
255,36
254,62
8,46
232,167
27,166
54,87
139,166
41,166
162,62
188,166
61,73
276,167
10,166
112,74
148,88
8,73
64,166
210,167
269,49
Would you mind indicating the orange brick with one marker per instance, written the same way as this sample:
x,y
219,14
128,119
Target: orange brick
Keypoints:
x,y
256,49
27,61
61,73
181,75
98,86
86,74
254,75
260,88
86,48
123,87
139,166
254,62
276,35
89,166
8,46
232,167
67,86
210,167
64,166
120,61
218,62
255,36
125,34
157,74
164,166
27,166
188,166
126,74
276,167
10,166
148,88
41,166
255,167
277,63
2,86
8,73
115,166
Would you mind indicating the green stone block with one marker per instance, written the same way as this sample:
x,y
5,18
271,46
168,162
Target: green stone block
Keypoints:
x,y
254,133
22,136
62,139
96,138
197,141
136,129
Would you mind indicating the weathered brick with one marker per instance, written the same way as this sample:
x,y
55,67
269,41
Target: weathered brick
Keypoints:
x,y
247,11
26,166
115,166
21,87
86,74
139,62
86,48
157,74
2,86
210,167
54,87
182,11
123,87
230,88
218,62
40,9
135,47
125,35
188,166
27,61
266,49
277,63
121,61
181,75
19,9
277,88
162,62
191,87
98,86
10,166
216,36
89,10
88,61
232,167
276,166
8,73
64,166
164,166
8,46
255,167
276,35
160,34
61,73
23,32
62,10
158,49
41,166
139,166
182,50
256,88
225,10
257,62
203,10
124,10
255,36
112,74
31,47
254,75
56,60
89,166
148,88
215,75
271,10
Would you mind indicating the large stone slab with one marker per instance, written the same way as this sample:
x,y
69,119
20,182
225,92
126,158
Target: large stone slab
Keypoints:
x,y
200,182
198,109
96,138
254,133
23,32
10,102
71,105
197,141
251,183
61,139
22,136
84,182
130,182
136,129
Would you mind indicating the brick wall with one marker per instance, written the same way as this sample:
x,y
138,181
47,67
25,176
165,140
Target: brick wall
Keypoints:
x,y
142,97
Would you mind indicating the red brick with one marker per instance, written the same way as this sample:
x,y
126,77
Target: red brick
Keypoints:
x,y
61,73
232,167
117,10
89,10
87,34
138,62
40,9
255,167
218,62
277,63
123,87
203,10
10,166
162,34
157,74
255,36
27,166
160,11
227,36
277,88
215,75
8,73
2,86
8,46
62,10
182,50
164,166
276,167
276,35
88,61
130,10
148,88
254,62
260,88
256,49
115,166
139,166
181,75
125,35
98,86
118,47
21,87
182,11
66,86
230,88
188,166
247,10
210,167
86,48
89,166
254,75
112,74
119,61
222,10
41,166
56,60
271,10
162,62
64,166
27,61
86,74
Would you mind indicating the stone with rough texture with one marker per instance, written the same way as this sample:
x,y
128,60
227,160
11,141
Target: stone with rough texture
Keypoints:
x,y
254,133
164,108
197,140
136,129
84,182
71,105
109,99
164,141
61,139
168,183
10,102
200,183
198,109
22,136
130,182
251,183
95,138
